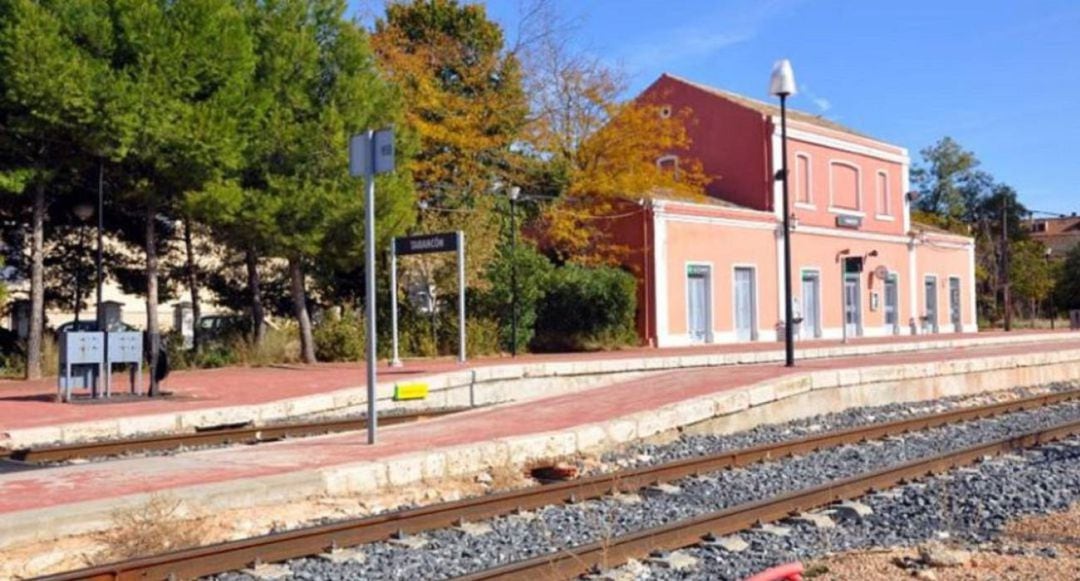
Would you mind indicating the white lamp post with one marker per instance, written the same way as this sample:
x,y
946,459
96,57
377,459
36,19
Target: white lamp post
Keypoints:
x,y
782,84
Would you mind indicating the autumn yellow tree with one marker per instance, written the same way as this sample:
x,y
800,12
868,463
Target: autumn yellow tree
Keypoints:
x,y
602,150
466,105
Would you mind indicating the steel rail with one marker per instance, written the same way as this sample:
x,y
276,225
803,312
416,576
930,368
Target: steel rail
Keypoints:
x,y
231,555
216,437
607,553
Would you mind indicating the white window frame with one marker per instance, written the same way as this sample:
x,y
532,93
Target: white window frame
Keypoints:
x,y
809,204
833,208
755,322
710,286
666,158
882,211
820,331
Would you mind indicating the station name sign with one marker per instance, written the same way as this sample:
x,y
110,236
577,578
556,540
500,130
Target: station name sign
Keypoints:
x,y
427,243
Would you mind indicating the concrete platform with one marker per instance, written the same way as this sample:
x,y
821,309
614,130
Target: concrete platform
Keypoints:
x,y
30,416
80,498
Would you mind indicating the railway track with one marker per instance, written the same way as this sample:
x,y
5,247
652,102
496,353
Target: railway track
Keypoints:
x,y
228,556
212,437
571,563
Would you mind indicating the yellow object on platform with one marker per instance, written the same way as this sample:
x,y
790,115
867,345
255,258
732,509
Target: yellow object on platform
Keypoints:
x,y
415,390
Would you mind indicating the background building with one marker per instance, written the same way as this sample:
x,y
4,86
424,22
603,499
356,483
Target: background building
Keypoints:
x,y
710,271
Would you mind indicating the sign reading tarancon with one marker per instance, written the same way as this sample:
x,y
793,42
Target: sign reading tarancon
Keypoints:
x,y
426,243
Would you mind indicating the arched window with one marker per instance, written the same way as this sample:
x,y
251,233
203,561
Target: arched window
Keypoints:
x,y
884,196
845,191
669,163
803,193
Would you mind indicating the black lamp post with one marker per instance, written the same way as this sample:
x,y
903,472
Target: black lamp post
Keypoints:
x,y
83,213
782,84
1050,310
100,234
514,192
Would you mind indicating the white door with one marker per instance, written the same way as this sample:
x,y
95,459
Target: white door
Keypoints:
x,y
892,305
811,304
697,283
931,320
852,308
745,316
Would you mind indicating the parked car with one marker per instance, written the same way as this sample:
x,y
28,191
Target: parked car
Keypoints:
x,y
219,326
91,325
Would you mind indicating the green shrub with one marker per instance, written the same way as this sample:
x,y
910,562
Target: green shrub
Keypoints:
x,y
340,338
533,272
586,309
482,337
280,345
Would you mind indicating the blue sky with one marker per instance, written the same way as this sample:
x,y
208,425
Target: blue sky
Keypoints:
x,y
1001,77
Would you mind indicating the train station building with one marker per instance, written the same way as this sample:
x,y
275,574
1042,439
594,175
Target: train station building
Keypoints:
x,y
710,271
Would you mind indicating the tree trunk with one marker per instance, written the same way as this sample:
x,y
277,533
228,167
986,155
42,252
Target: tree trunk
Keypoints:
x,y
152,336
307,343
37,286
193,284
258,317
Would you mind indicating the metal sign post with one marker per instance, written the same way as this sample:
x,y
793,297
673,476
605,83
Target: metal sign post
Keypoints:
x,y
395,360
427,244
371,153
461,295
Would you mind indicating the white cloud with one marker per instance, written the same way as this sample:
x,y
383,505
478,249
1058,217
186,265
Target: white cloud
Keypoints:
x,y
823,105
734,23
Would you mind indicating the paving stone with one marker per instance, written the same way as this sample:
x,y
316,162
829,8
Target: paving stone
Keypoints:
x,y
474,529
409,541
523,516
352,555
776,530
731,544
675,560
852,509
817,520
663,488
269,572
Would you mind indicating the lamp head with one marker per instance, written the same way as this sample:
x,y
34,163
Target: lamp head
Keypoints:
x,y
514,192
83,211
782,83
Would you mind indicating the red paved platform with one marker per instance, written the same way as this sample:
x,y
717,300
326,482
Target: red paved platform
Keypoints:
x,y
28,404
73,484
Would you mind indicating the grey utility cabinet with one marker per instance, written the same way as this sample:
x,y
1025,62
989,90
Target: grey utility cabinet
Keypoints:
x,y
82,359
125,347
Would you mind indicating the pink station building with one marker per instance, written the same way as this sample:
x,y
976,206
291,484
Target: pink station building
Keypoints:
x,y
711,271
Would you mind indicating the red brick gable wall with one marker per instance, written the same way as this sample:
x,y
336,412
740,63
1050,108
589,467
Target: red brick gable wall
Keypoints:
x,y
732,142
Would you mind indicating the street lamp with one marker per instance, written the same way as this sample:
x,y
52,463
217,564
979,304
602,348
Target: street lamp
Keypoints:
x,y
514,193
1050,298
82,212
782,84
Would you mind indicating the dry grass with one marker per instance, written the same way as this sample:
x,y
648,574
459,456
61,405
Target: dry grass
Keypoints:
x,y
159,525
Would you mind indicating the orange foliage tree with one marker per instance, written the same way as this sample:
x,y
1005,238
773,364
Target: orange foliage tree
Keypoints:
x,y
602,151
465,104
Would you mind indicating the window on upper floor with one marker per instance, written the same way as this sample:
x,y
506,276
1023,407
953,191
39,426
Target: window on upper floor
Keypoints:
x,y
884,196
669,163
803,194
845,192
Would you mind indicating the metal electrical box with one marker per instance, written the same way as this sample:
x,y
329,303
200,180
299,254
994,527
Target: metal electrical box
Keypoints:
x,y
82,358
125,347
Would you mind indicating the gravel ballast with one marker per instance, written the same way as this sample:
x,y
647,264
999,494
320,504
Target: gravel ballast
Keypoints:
x,y
451,552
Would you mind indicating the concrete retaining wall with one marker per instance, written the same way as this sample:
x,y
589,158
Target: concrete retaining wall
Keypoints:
x,y
479,386
794,396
